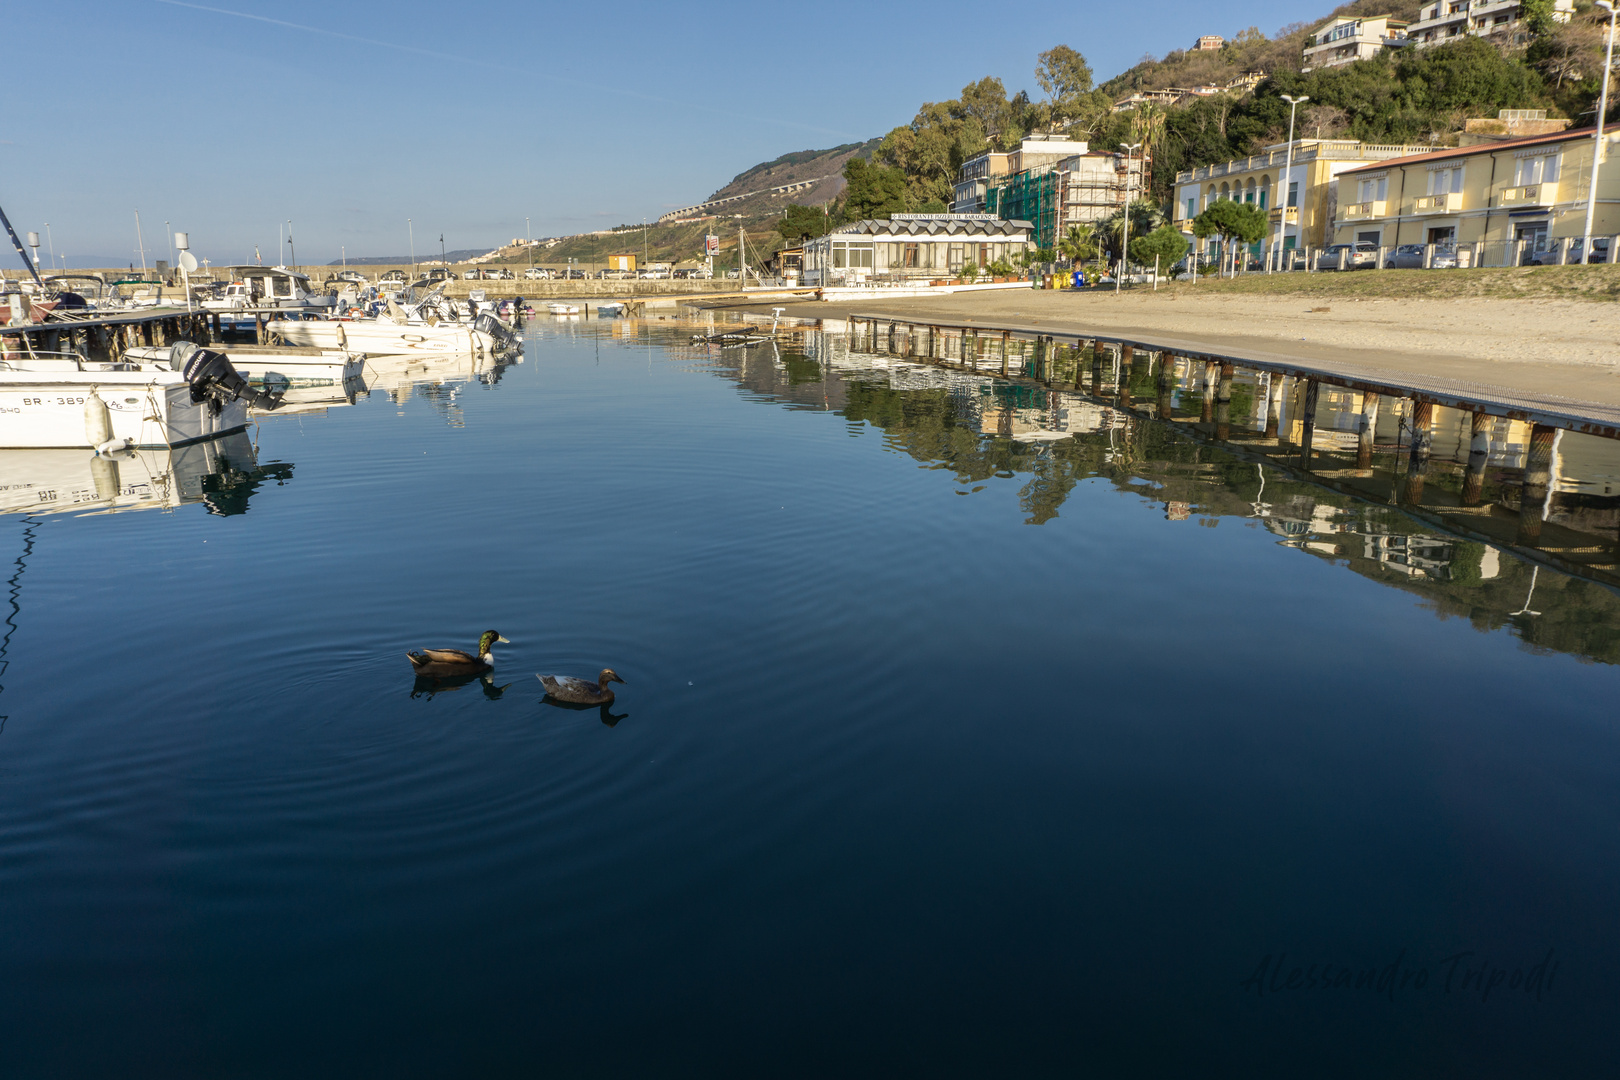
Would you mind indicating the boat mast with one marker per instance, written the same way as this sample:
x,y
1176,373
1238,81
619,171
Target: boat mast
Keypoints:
x,y
140,243
16,243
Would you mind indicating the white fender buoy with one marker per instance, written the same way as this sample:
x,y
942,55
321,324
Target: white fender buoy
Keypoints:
x,y
97,420
115,446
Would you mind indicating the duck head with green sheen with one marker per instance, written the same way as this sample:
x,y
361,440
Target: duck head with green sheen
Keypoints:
x,y
489,638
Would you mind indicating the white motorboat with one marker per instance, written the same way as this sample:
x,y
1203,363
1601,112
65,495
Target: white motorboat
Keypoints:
x,y
220,472
63,400
269,287
384,337
563,309
285,365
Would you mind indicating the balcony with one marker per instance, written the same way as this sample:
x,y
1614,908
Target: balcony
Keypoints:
x,y
1275,214
1543,194
1364,211
1449,203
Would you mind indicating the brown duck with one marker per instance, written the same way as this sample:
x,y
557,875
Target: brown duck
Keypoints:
x,y
581,691
446,663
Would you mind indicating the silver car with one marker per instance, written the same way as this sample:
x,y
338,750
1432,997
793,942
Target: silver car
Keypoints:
x,y
1361,255
1410,257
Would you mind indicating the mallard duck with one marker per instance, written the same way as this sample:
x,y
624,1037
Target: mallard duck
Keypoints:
x,y
580,691
442,663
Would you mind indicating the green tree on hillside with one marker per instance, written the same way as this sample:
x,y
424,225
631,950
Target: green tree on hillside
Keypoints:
x,y
799,223
872,191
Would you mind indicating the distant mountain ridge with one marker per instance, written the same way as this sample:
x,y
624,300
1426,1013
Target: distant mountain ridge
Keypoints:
x,y
423,258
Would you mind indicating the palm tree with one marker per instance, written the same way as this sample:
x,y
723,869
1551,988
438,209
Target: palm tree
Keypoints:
x,y
1078,245
1145,218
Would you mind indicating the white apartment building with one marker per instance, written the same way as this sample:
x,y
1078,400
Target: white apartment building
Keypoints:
x,y
1447,20
1348,39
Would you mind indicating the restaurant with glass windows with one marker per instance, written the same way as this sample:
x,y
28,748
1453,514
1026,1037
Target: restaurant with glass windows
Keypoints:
x,y
913,248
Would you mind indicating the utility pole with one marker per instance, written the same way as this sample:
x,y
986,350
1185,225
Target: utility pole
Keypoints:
x,y
1288,169
411,228
1597,135
528,234
51,246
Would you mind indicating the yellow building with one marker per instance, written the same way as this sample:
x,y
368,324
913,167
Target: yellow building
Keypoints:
x,y
1258,179
1503,202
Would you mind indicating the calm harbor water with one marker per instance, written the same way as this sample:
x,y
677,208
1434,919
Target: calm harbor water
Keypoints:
x,y
970,728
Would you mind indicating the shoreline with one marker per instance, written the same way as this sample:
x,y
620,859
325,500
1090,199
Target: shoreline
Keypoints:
x,y
1506,344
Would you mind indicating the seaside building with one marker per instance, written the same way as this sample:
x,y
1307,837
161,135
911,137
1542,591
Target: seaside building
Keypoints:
x,y
1309,204
1448,20
978,174
1348,38
911,247
1050,183
1514,197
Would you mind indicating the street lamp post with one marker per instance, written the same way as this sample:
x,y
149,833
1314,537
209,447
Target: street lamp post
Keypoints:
x,y
1125,241
1288,170
528,234
412,230
1597,135
50,245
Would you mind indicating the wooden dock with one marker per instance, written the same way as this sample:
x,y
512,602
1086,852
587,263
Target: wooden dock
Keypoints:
x,y
107,337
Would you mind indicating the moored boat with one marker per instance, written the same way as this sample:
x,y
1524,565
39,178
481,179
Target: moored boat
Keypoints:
x,y
62,400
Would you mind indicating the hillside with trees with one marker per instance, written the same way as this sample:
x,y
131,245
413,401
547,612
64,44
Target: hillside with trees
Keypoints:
x,y
1405,96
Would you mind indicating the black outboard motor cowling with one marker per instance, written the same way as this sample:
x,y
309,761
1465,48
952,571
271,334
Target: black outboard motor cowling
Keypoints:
x,y
212,378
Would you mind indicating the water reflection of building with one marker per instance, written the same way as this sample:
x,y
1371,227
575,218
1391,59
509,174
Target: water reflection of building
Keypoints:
x,y
220,473
976,428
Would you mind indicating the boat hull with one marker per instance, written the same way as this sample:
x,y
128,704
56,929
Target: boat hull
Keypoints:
x,y
386,338
146,408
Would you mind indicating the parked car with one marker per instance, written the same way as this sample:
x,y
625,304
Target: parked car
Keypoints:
x,y
499,273
394,275
352,275
473,274
1361,255
534,273
1410,257
1549,256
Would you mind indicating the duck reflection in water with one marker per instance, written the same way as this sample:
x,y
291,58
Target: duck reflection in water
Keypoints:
x,y
604,710
427,686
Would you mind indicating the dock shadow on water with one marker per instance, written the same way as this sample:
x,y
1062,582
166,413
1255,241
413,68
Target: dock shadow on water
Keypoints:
x,y
1000,705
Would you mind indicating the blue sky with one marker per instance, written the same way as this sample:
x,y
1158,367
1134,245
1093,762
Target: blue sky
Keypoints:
x,y
228,118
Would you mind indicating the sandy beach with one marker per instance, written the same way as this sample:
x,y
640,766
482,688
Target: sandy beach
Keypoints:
x,y
1557,348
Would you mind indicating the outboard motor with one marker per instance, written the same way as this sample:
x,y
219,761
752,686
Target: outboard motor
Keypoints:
x,y
212,378
489,324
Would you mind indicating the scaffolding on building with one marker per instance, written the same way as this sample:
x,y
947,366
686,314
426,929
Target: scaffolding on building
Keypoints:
x,y
1032,196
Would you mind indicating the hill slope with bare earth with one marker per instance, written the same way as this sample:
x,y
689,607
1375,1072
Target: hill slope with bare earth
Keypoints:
x,y
824,169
